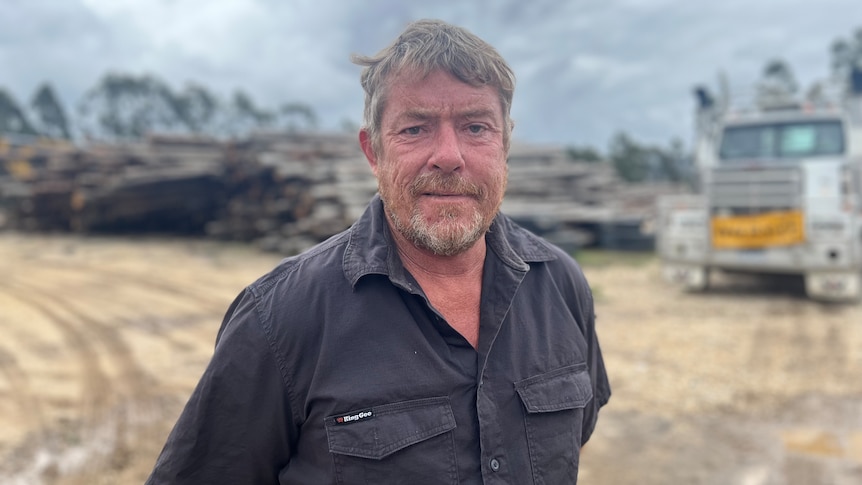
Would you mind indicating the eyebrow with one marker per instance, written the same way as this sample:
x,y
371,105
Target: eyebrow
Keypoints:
x,y
417,114
479,113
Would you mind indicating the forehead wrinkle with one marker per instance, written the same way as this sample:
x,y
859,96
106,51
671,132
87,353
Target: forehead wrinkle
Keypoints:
x,y
416,106
426,114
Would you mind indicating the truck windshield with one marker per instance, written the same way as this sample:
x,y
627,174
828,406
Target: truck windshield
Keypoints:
x,y
782,140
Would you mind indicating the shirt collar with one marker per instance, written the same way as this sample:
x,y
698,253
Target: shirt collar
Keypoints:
x,y
371,250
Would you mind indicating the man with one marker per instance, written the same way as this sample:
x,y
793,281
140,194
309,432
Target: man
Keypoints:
x,y
433,342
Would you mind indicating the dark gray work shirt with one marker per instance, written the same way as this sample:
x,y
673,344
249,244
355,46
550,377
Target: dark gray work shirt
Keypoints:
x,y
335,369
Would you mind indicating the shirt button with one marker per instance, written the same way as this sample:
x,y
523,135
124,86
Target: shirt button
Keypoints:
x,y
495,464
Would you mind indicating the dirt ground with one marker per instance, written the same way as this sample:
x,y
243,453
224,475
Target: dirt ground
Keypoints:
x,y
102,340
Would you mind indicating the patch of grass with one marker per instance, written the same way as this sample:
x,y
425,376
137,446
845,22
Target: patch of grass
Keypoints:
x,y
600,258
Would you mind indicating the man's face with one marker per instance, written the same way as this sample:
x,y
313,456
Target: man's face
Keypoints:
x,y
441,167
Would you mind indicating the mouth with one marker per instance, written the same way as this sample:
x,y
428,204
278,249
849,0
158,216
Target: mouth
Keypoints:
x,y
443,194
446,195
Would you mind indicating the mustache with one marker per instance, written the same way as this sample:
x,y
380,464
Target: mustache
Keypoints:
x,y
445,183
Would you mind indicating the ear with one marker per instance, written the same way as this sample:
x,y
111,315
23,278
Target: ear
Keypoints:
x,y
367,148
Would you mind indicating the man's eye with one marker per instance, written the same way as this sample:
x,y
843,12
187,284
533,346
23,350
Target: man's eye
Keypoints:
x,y
476,129
413,130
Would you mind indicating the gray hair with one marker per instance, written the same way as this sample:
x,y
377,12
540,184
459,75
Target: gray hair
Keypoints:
x,y
426,46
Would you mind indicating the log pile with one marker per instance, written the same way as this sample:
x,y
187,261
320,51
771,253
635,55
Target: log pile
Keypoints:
x,y
315,186
109,188
286,192
576,204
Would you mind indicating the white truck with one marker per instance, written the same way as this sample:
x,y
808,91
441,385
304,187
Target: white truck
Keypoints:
x,y
780,192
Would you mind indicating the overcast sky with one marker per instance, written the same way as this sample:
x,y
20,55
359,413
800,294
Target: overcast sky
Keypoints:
x,y
586,69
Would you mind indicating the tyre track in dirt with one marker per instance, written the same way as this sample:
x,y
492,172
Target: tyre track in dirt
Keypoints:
x,y
113,278
107,406
130,391
29,408
123,328
95,277
95,386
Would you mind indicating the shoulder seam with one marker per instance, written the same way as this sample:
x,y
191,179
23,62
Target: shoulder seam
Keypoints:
x,y
280,360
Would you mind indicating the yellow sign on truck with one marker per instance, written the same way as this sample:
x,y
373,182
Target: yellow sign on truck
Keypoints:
x,y
779,228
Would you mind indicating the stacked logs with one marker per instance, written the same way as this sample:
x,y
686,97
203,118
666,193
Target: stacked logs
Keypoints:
x,y
308,188
286,191
109,188
577,204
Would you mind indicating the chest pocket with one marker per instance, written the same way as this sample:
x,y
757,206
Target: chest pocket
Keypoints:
x,y
405,442
554,404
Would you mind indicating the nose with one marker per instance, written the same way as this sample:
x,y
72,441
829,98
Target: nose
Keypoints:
x,y
446,155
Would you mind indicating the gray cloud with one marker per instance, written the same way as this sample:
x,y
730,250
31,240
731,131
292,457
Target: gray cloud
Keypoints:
x,y
585,69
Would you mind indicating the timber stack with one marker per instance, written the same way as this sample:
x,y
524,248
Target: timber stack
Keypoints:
x,y
285,191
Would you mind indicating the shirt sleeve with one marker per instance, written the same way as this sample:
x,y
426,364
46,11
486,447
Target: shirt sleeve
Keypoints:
x,y
237,426
598,374
582,307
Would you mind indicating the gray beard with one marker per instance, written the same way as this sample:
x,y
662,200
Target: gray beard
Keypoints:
x,y
440,239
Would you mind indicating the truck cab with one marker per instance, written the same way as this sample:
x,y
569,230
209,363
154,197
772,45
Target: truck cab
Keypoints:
x,y
779,193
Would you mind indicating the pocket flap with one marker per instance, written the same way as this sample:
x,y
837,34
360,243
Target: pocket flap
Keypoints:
x,y
377,432
565,388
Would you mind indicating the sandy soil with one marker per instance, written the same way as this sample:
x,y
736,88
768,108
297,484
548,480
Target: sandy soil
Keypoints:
x,y
748,384
102,340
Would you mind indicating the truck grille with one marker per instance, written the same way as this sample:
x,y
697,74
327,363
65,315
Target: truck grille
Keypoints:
x,y
750,191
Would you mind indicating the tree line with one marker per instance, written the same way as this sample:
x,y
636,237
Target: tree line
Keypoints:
x,y
127,107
